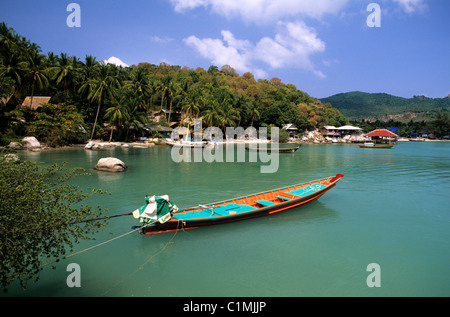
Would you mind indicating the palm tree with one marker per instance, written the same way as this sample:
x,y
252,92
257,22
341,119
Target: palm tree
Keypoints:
x,y
8,38
211,115
191,108
88,72
37,71
137,117
255,115
117,115
228,117
13,66
163,88
64,71
172,89
140,86
103,87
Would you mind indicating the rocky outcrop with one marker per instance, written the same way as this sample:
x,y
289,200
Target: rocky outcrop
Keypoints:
x,y
30,142
110,164
92,146
15,146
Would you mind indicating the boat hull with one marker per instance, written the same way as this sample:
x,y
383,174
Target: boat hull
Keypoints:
x,y
275,150
257,205
379,146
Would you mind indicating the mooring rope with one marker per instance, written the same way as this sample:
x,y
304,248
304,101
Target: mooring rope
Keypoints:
x,y
95,246
149,259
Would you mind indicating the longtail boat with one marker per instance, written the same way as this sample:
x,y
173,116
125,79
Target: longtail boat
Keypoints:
x,y
376,145
381,139
160,214
276,150
186,144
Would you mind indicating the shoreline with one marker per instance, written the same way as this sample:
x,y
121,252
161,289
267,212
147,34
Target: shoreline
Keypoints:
x,y
144,144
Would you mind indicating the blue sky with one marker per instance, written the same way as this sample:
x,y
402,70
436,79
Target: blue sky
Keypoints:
x,y
323,47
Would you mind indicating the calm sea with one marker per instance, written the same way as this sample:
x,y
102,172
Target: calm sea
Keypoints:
x,y
391,208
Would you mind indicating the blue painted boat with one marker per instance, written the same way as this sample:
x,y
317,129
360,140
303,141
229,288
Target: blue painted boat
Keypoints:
x,y
160,214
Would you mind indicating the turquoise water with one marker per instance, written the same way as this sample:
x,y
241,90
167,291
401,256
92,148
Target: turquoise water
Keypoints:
x,y
391,208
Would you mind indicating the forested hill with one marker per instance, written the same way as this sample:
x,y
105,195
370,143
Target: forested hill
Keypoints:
x,y
93,96
360,105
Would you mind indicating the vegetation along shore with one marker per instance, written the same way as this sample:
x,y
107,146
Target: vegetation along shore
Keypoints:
x,y
62,100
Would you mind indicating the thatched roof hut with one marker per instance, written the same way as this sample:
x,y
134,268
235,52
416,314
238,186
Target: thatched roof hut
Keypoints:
x,y
38,101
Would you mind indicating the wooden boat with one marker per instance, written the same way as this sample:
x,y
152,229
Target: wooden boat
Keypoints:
x,y
376,145
274,150
159,142
170,218
380,139
186,144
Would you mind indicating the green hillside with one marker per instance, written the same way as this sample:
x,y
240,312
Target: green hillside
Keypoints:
x,y
360,105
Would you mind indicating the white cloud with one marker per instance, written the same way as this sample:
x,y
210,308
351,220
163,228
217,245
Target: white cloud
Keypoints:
x,y
116,61
411,6
291,47
220,53
262,11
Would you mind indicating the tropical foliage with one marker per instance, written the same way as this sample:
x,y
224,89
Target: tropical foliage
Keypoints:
x,y
115,102
41,218
57,125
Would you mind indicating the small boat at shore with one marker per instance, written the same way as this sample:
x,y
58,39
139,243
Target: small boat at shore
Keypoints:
x,y
380,139
159,142
376,146
186,144
273,150
160,215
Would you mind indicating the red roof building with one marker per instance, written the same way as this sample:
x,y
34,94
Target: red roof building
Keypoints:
x,y
382,133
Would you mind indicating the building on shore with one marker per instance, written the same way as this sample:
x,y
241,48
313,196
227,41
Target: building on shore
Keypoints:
x,y
291,129
152,129
35,102
345,133
382,136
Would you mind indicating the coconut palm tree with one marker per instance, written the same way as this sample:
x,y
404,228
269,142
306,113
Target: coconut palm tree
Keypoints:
x,y
88,73
37,70
140,86
211,115
255,115
117,115
13,66
64,72
8,38
137,118
228,116
103,87
191,108
172,89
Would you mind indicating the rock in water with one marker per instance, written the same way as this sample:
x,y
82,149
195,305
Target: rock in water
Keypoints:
x,y
110,164
30,142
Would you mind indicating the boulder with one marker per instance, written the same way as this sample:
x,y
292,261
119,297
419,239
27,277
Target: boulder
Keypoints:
x,y
89,145
110,164
30,142
92,146
15,146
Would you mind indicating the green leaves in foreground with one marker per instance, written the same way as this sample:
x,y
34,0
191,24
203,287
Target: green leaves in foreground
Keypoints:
x,y
40,215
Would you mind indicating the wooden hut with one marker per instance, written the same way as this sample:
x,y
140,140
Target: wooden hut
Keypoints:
x,y
36,103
